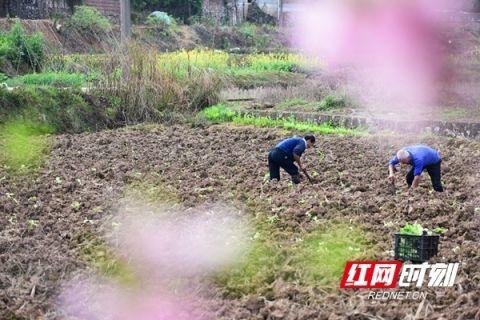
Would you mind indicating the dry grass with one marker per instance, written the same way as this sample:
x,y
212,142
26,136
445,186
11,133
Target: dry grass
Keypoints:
x,y
144,91
311,90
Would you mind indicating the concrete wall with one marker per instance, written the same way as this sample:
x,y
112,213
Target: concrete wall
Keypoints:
x,y
269,6
237,10
232,11
281,10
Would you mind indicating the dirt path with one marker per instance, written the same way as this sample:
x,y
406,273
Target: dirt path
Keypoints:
x,y
86,174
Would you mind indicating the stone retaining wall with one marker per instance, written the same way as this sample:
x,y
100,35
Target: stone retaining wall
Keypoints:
x,y
461,129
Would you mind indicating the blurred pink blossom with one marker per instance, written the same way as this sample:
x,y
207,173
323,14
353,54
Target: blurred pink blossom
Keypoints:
x,y
393,46
175,244
99,300
168,251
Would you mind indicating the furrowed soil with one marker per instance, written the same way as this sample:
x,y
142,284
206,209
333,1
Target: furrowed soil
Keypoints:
x,y
85,176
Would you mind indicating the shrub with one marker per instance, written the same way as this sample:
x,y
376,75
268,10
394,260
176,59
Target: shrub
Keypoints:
x,y
249,32
5,47
180,9
160,19
88,18
19,48
330,102
253,35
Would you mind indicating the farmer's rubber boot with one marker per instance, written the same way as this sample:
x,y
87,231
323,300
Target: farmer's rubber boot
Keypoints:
x,y
296,179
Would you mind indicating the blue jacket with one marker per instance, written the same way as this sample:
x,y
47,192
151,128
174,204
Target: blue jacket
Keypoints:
x,y
421,156
292,146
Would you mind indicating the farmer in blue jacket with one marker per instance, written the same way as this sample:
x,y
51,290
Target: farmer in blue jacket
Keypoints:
x,y
286,153
420,158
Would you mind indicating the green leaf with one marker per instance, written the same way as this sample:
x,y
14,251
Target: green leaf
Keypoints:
x,y
412,229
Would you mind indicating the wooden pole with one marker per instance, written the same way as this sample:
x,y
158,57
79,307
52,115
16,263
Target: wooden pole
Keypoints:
x,y
280,12
125,19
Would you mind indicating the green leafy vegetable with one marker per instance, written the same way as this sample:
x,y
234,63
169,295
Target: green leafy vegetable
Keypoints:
x,y
417,230
439,230
413,229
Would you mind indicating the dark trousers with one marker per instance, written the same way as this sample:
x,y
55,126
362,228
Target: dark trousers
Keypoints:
x,y
435,175
277,159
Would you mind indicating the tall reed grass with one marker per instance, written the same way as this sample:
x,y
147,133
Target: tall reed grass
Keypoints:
x,y
143,90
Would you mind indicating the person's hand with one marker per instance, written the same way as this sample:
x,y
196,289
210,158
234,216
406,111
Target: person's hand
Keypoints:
x,y
392,178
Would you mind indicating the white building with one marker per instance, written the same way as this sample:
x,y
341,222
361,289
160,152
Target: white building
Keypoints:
x,y
237,10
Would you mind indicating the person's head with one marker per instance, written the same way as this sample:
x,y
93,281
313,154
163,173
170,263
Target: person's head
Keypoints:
x,y
310,138
403,156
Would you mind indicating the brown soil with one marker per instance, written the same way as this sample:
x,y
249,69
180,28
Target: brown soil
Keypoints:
x,y
93,168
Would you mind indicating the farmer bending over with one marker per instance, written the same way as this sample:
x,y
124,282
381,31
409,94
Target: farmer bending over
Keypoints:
x,y
285,153
420,158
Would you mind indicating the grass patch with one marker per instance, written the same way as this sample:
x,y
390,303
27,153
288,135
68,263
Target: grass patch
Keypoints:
x,y
326,104
317,260
182,62
76,63
221,114
320,258
331,102
255,271
151,190
23,144
453,114
248,79
250,70
106,263
58,79
292,103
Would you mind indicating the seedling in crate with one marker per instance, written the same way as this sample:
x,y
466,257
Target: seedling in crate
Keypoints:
x,y
415,243
412,229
